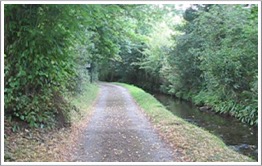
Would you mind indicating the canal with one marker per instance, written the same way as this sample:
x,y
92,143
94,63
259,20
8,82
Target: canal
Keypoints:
x,y
238,136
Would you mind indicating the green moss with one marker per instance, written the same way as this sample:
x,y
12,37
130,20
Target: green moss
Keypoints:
x,y
194,142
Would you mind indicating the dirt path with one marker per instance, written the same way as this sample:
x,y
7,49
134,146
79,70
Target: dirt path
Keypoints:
x,y
118,131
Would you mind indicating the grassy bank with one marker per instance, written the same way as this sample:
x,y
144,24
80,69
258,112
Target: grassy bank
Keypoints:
x,y
195,143
51,145
83,101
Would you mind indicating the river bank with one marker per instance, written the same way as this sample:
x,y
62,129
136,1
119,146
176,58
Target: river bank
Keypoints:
x,y
239,136
196,143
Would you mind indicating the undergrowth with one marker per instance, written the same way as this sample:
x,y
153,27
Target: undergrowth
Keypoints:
x,y
50,145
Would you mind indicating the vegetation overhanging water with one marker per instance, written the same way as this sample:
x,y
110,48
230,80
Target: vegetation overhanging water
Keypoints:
x,y
239,136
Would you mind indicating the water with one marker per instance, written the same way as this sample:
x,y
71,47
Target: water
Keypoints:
x,y
240,137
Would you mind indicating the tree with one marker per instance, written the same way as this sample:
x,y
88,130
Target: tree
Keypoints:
x,y
216,59
46,49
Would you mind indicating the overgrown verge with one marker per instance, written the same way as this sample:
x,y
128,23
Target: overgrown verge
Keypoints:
x,y
46,145
198,145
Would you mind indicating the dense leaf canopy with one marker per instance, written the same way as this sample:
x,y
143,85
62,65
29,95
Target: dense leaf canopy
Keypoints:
x,y
207,54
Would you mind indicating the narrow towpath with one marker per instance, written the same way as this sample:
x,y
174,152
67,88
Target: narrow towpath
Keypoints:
x,y
118,131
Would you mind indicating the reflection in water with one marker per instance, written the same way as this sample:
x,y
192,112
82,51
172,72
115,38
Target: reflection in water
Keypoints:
x,y
235,134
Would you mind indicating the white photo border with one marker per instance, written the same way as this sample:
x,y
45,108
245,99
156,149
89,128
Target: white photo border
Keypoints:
x,y
130,2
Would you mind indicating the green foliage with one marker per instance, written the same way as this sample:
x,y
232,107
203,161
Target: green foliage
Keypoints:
x,y
144,48
37,62
47,48
155,54
210,59
216,59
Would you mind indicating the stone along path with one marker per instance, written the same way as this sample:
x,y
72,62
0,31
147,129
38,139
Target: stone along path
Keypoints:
x,y
119,132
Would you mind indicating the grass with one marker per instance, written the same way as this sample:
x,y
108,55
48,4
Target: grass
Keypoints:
x,y
83,102
56,145
196,144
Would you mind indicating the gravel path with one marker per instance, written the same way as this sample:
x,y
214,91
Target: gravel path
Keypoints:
x,y
118,131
